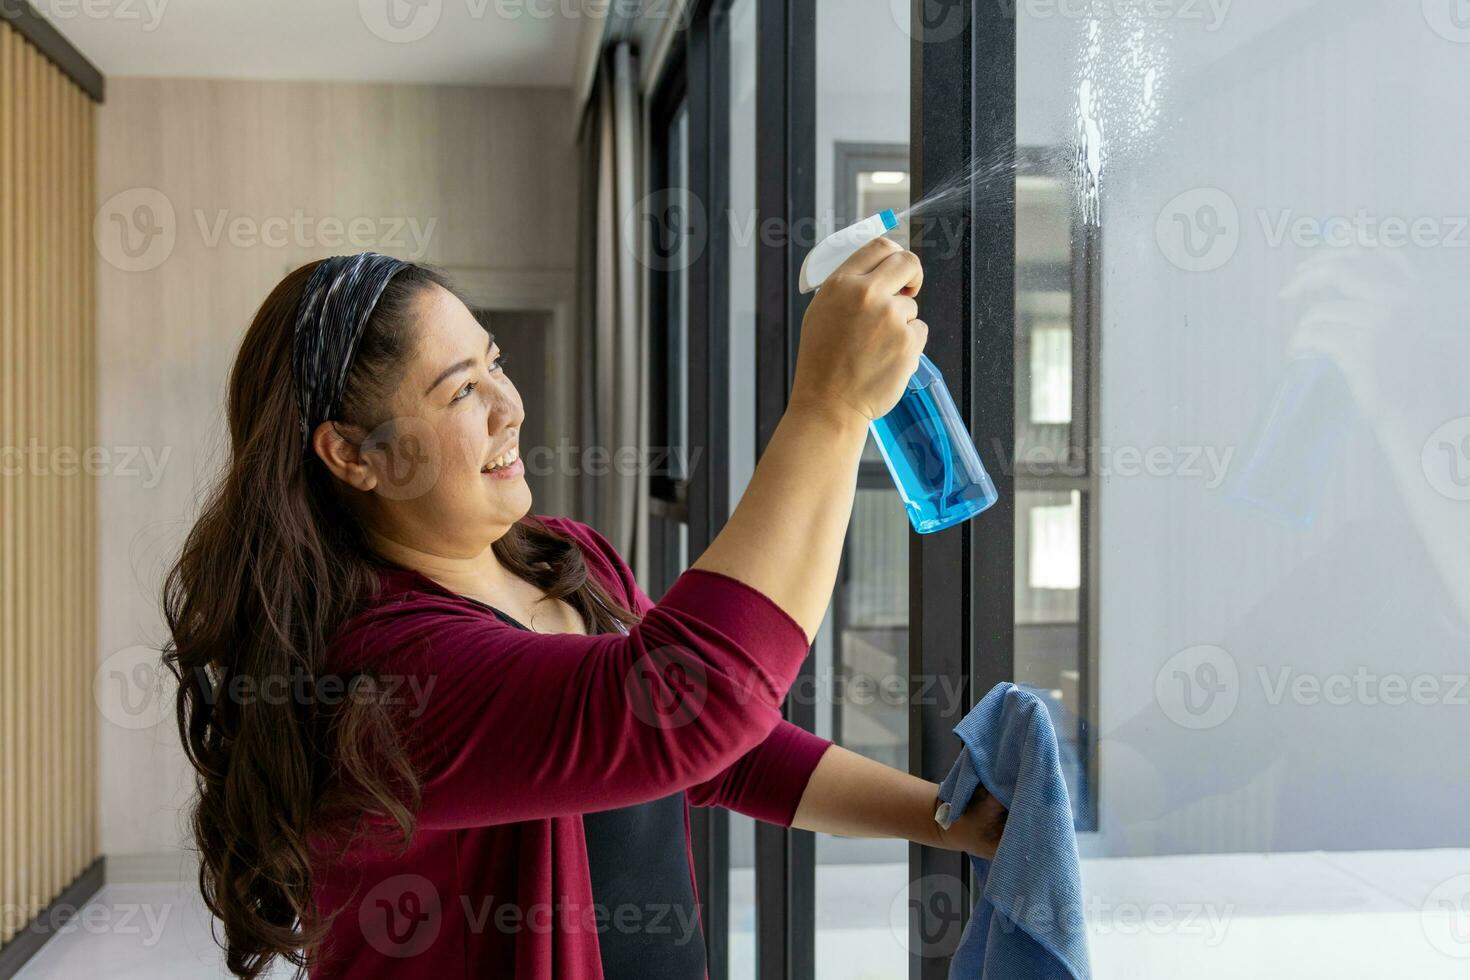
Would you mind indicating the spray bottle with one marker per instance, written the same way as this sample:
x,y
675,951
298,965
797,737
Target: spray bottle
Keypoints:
x,y
923,440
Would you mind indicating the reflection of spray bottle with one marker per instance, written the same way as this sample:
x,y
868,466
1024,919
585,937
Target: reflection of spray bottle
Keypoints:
x,y
1298,442
923,439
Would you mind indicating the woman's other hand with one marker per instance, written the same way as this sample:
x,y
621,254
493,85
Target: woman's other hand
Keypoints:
x,y
978,829
851,795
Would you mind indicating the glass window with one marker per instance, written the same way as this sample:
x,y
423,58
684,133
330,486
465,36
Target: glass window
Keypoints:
x,y
1273,508
743,246
871,612
862,167
1056,299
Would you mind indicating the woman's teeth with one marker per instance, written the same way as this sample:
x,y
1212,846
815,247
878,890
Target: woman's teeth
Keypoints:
x,y
504,460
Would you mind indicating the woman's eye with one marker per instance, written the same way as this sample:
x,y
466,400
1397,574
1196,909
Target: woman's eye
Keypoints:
x,y
469,386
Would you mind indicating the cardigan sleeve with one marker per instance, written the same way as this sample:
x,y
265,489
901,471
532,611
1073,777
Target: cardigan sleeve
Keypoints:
x,y
505,725
768,781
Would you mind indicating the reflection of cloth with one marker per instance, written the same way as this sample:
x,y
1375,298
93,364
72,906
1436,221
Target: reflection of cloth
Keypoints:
x,y
1028,922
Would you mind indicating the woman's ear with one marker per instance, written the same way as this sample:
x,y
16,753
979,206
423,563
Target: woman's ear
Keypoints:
x,y
343,458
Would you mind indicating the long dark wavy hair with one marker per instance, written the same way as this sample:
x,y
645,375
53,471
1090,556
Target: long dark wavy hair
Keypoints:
x,y
275,564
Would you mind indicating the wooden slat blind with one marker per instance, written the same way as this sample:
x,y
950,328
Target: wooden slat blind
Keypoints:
x,y
48,574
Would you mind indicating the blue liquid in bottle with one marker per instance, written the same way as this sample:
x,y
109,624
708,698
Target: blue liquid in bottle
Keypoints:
x,y
932,458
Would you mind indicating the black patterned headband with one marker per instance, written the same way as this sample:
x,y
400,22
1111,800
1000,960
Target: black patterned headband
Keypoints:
x,y
333,312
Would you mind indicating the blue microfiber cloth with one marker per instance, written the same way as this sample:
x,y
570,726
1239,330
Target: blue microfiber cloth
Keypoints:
x,y
1028,923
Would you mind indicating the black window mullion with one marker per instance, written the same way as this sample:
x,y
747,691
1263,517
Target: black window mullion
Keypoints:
x,y
991,367
707,87
962,109
939,145
785,198
664,483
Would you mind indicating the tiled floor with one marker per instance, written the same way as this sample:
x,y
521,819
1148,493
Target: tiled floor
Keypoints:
x,y
151,932
1364,916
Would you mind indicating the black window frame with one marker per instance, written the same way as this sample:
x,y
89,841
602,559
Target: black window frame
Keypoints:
x,y
697,77
669,99
699,71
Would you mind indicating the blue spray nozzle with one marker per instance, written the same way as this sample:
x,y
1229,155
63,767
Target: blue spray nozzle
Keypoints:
x,y
890,220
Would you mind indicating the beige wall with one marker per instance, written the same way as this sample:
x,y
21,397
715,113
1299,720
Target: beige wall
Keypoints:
x,y
221,187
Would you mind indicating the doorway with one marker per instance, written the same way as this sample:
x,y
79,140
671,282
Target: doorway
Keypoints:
x,y
523,336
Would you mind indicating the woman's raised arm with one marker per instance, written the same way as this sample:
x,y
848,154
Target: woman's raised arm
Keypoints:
x,y
504,724
860,342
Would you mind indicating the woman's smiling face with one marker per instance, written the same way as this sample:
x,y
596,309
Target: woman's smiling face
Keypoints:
x,y
454,416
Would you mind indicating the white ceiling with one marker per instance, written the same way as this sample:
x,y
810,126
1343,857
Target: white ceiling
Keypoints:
x,y
486,42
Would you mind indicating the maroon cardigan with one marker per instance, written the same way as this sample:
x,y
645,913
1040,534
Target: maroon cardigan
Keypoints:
x,y
516,734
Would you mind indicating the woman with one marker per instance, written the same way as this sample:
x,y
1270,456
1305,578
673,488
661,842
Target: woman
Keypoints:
x,y
438,736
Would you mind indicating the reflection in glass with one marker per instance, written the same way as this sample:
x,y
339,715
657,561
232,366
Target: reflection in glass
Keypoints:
x,y
1288,472
1274,333
1055,382
1054,558
1051,373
